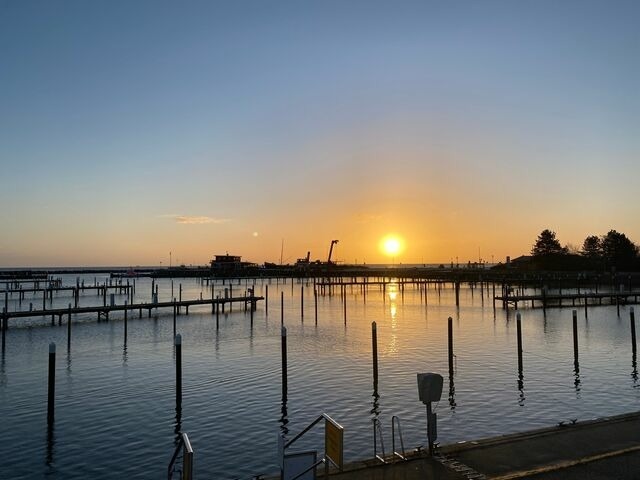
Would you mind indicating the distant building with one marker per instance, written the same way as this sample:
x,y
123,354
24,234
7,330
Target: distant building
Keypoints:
x,y
229,263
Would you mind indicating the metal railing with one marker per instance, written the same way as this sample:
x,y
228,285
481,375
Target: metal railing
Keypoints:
x,y
402,455
184,447
377,431
326,460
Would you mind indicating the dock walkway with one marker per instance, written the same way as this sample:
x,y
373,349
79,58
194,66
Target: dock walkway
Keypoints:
x,y
103,311
556,300
595,449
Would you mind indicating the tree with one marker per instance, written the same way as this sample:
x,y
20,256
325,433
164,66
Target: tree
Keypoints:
x,y
592,247
547,244
618,250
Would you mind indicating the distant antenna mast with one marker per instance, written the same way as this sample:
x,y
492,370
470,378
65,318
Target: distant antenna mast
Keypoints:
x,y
281,250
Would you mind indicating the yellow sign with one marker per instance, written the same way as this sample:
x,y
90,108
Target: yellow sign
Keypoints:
x,y
333,441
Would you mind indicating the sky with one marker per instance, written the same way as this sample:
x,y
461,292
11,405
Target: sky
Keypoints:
x,y
131,129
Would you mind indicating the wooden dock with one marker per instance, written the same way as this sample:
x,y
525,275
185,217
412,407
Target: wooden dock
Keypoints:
x,y
103,311
585,299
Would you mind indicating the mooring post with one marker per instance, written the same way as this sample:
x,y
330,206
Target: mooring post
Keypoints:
x,y
52,383
5,321
283,343
175,308
450,344
575,337
519,334
126,310
457,286
374,345
266,300
344,309
632,321
178,345
315,304
69,329
281,308
302,303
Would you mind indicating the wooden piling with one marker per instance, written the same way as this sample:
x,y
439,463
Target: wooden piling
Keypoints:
x,y
374,346
283,345
344,309
315,304
126,302
302,303
51,391
519,333
266,300
450,344
632,321
178,345
69,329
575,337
175,308
457,287
281,308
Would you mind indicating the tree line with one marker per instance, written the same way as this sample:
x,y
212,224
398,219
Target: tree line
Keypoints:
x,y
614,249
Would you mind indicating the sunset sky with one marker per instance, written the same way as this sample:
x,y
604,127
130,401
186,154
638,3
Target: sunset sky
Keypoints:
x,y
129,129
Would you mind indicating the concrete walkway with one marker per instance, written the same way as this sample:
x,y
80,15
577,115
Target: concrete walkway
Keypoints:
x,y
598,449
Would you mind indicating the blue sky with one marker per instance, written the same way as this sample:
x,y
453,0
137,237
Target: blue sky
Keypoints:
x,y
456,125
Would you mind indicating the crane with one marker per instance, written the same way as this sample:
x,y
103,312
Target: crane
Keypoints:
x,y
333,242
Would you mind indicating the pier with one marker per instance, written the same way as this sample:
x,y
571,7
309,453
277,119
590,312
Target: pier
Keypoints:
x,y
602,448
103,311
585,299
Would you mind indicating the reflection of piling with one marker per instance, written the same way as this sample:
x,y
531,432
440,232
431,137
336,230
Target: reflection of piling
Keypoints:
x,y
266,300
302,302
457,287
450,344
632,321
374,344
284,361
178,345
52,383
575,337
519,333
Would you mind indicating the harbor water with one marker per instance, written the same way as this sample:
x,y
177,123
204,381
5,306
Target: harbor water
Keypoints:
x,y
115,411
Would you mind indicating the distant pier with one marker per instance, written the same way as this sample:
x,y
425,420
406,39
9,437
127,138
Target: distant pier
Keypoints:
x,y
545,300
103,311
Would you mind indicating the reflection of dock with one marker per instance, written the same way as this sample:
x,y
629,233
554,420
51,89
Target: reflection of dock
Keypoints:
x,y
546,300
103,311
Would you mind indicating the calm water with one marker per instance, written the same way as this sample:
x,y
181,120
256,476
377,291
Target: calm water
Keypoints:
x,y
115,407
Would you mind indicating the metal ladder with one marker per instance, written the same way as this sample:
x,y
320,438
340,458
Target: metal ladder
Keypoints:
x,y
377,432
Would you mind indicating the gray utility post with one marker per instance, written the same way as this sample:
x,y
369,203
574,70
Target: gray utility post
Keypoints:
x,y
430,390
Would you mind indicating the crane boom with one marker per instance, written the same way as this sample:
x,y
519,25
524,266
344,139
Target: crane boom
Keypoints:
x,y
333,242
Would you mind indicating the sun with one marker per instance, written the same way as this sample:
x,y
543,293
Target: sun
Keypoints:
x,y
391,245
